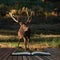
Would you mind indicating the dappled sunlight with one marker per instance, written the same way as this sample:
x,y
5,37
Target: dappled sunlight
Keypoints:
x,y
4,37
45,36
54,14
37,46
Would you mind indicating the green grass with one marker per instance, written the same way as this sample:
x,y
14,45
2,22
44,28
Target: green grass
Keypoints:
x,y
35,40
10,37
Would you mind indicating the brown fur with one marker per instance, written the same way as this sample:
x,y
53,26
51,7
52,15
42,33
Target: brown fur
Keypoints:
x,y
24,32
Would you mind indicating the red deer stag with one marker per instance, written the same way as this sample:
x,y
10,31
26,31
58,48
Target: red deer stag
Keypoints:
x,y
24,30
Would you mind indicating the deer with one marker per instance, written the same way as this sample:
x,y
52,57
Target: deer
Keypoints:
x,y
24,30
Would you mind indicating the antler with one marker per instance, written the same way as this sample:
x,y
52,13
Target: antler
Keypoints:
x,y
28,13
29,16
13,17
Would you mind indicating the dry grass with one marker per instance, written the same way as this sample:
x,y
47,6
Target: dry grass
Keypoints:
x,y
31,46
35,36
45,36
7,37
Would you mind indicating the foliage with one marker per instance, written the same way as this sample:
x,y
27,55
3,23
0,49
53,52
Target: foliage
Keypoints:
x,y
3,10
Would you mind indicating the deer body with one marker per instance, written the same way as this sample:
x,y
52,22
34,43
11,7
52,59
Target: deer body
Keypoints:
x,y
24,33
23,30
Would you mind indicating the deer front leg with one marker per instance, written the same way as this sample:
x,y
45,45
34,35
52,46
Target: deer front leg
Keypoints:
x,y
19,37
18,42
25,43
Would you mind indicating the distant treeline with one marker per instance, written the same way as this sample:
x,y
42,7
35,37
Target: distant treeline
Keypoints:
x,y
46,13
35,20
38,25
28,3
